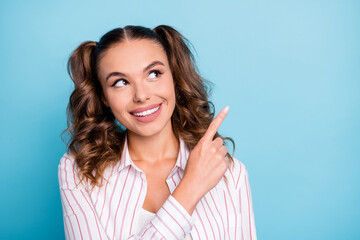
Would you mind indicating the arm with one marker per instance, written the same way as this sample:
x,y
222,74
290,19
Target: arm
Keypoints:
x,y
82,222
244,197
172,221
80,218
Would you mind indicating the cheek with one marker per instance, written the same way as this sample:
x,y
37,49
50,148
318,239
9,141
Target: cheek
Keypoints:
x,y
167,90
116,102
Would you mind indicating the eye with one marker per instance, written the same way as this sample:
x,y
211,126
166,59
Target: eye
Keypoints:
x,y
120,83
154,74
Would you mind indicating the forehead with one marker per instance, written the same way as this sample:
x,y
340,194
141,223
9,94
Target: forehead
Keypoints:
x,y
131,56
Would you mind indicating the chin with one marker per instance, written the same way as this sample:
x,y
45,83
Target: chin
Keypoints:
x,y
145,132
148,130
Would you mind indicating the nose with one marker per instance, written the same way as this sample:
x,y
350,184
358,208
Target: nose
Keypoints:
x,y
141,93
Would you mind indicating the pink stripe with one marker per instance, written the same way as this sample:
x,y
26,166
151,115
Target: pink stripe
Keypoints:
x,y
74,214
180,212
126,206
207,218
110,201
231,175
68,199
124,155
174,220
197,232
82,210
213,216
247,194
92,189
242,231
232,202
227,214
156,229
112,194
240,200
97,197
72,229
166,226
66,229
73,166
67,184
152,236
197,212
238,177
136,203
146,231
87,223
102,209
172,177
93,213
218,213
68,220
65,209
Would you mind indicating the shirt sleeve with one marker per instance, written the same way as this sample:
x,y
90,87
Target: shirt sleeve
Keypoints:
x,y
172,221
81,221
243,191
80,218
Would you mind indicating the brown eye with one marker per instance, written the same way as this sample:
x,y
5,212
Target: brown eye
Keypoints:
x,y
154,74
120,83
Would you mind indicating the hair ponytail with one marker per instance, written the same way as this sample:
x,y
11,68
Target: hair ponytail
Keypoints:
x,y
176,47
84,101
180,57
80,62
94,135
191,92
193,111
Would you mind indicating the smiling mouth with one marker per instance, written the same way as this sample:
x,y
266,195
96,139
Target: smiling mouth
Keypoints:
x,y
147,112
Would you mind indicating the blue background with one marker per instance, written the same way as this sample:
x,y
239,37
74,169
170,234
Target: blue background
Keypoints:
x,y
289,70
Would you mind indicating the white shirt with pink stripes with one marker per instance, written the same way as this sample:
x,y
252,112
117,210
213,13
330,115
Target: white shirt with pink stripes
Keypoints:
x,y
113,210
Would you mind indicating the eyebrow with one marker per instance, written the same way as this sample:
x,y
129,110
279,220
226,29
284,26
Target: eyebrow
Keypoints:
x,y
120,74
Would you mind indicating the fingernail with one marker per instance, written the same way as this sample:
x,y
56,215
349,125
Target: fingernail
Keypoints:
x,y
226,109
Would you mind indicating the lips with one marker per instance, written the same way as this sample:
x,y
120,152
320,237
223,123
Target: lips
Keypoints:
x,y
142,109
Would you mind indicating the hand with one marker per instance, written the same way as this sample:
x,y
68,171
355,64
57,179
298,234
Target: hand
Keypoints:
x,y
207,163
205,166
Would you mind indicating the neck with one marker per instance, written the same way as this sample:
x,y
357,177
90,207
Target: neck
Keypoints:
x,y
153,149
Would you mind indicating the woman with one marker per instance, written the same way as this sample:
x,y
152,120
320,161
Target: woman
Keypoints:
x,y
145,160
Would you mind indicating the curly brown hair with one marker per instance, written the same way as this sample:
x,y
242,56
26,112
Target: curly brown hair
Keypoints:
x,y
96,140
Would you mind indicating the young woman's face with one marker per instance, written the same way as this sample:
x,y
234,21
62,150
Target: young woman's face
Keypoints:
x,y
138,86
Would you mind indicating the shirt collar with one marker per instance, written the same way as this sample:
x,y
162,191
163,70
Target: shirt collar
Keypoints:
x,y
125,160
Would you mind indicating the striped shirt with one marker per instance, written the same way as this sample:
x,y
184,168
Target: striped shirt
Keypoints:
x,y
112,210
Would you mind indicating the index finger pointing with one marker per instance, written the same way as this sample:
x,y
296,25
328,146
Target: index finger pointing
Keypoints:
x,y
215,124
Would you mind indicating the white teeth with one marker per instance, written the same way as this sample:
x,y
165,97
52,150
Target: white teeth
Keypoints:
x,y
147,112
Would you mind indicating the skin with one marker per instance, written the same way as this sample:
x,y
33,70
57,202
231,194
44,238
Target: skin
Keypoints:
x,y
153,146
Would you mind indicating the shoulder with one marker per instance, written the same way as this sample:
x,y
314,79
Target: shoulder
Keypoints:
x,y
66,157
67,172
236,173
67,162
